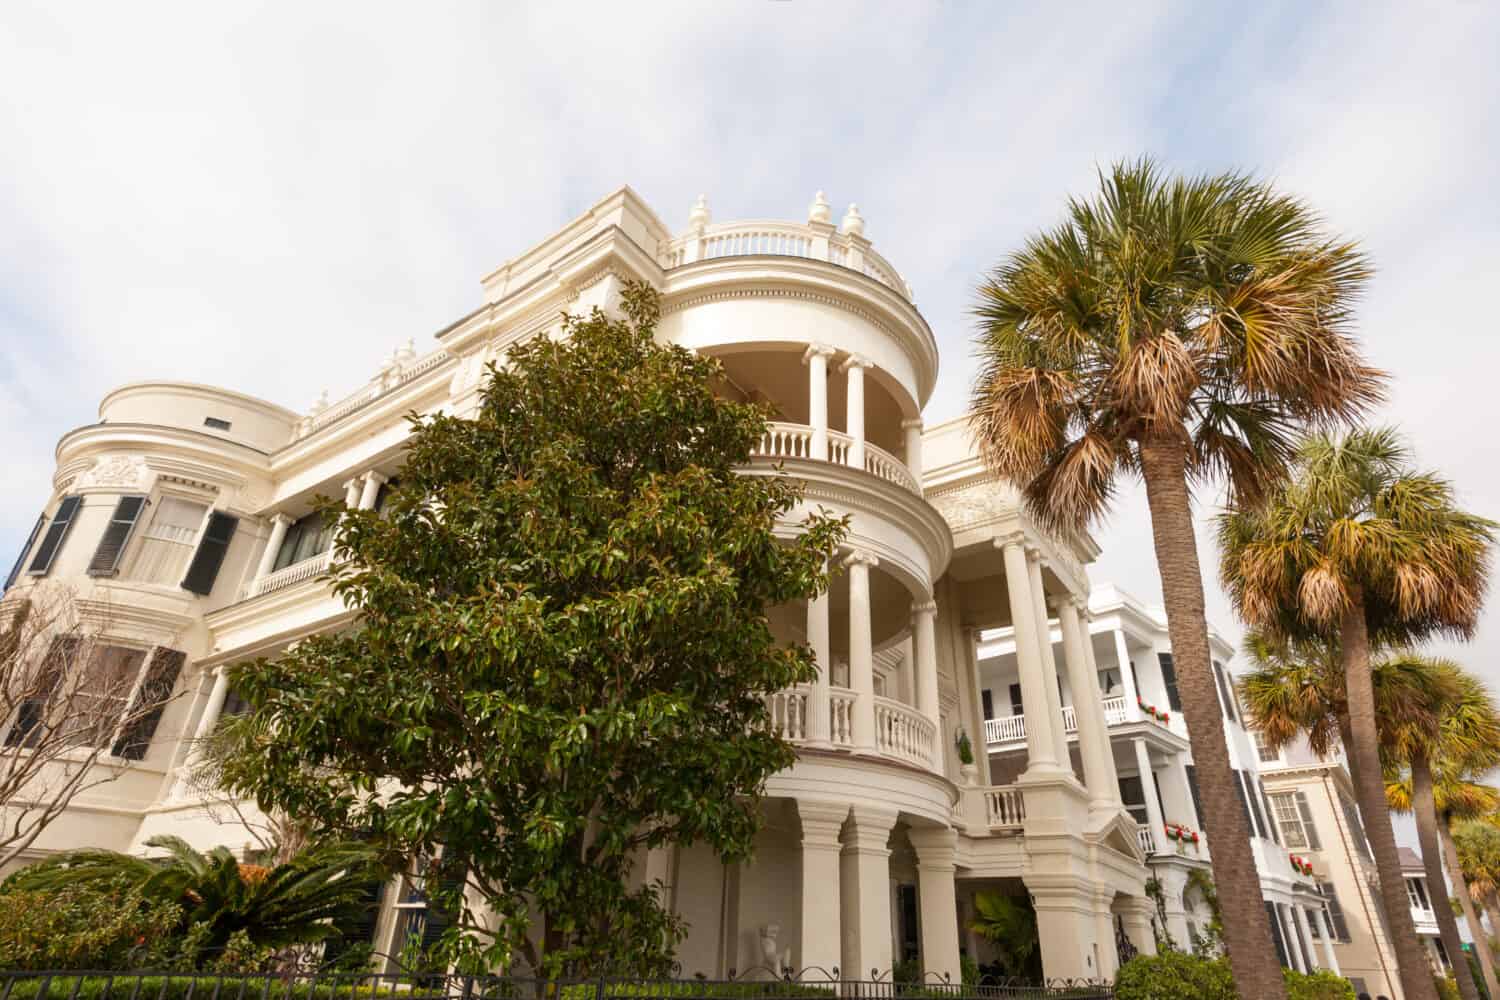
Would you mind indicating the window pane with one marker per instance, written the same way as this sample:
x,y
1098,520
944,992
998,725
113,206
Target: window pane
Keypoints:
x,y
1284,804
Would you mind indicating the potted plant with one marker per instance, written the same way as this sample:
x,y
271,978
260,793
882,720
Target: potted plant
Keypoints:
x,y
966,757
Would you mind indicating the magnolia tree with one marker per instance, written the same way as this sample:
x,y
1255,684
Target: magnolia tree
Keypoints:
x,y
562,651
75,711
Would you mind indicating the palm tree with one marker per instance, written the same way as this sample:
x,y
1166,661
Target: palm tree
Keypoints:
x,y
1009,923
1358,547
1477,842
1181,330
300,902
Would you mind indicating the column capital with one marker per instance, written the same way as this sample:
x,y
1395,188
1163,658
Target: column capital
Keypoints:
x,y
280,518
911,423
821,821
934,845
352,483
816,350
377,478
855,361
869,830
927,607
861,557
1011,538
1033,554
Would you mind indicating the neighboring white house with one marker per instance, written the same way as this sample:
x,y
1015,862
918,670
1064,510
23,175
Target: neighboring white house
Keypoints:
x,y
876,840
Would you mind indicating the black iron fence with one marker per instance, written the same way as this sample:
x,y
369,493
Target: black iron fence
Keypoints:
x,y
272,985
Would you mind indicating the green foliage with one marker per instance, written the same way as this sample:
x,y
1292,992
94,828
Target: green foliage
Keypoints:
x,y
222,911
1174,975
1210,941
1447,987
80,927
169,987
1320,985
965,748
968,970
1009,923
563,653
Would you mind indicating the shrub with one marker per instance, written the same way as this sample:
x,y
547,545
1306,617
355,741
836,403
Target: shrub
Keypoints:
x,y
80,927
1175,976
1320,985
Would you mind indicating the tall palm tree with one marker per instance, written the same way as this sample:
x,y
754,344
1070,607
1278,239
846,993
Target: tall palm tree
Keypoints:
x,y
299,902
1477,842
1180,330
1359,547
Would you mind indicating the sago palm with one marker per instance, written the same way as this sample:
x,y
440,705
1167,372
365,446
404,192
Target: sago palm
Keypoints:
x,y
1180,330
1441,758
1357,547
299,902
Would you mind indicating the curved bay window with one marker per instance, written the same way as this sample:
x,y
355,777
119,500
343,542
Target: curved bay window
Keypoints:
x,y
307,537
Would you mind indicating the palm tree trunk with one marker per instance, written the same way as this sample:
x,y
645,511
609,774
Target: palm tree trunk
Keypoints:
x,y
1492,907
1416,975
1247,932
1476,929
1424,809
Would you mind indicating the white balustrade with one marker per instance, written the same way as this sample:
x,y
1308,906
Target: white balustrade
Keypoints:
x,y
1114,712
1070,719
1145,836
1004,808
784,440
783,239
386,382
1009,729
901,731
307,569
789,713
841,721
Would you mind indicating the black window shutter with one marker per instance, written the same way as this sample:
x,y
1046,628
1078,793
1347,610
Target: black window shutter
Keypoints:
x,y
151,699
438,918
989,704
33,708
1224,705
1169,679
1335,911
53,539
1307,821
1239,786
210,555
15,571
359,927
107,556
1276,935
1192,780
1260,806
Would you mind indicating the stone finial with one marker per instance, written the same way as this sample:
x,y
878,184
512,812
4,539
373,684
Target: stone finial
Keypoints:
x,y
820,210
407,351
698,217
321,403
854,223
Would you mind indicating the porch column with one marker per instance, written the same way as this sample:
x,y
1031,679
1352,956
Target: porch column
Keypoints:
x,y
213,706
816,358
912,427
373,482
1289,933
821,940
352,493
1148,788
1104,935
818,706
1304,938
1041,748
1325,934
938,900
1135,914
1049,661
1127,677
854,366
279,523
924,652
865,880
861,652
1179,767
1112,774
1088,708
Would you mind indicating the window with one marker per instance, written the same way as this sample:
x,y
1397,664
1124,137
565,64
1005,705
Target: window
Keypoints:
x,y
166,546
989,703
67,513
415,916
1416,891
1265,805
1356,828
305,538
216,423
1015,700
112,545
1442,953
1109,682
1169,681
1338,926
1295,820
1192,780
1133,797
1262,750
149,702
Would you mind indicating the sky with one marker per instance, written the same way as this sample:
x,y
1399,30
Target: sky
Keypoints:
x,y
272,197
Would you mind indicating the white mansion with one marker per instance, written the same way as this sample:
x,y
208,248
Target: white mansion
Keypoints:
x,y
952,615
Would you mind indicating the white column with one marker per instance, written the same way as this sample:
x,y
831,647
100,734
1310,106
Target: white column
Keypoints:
x,y
938,901
1127,677
1041,747
854,366
1179,766
1148,788
1049,661
822,943
215,705
1289,935
352,493
818,706
865,881
373,482
1112,775
279,524
924,653
913,429
1088,708
816,358
1330,960
861,651
1304,937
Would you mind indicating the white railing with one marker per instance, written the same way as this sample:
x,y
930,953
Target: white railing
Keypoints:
x,y
1145,836
782,239
841,717
307,569
1004,808
1115,712
783,440
789,713
1010,729
901,731
391,377
1070,719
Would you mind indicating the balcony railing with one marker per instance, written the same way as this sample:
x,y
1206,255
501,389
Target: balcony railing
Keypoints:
x,y
784,440
297,572
1146,837
1012,729
1004,808
783,239
901,732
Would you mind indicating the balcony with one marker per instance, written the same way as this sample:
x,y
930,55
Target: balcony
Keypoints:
x,y
783,440
297,572
901,732
1009,732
